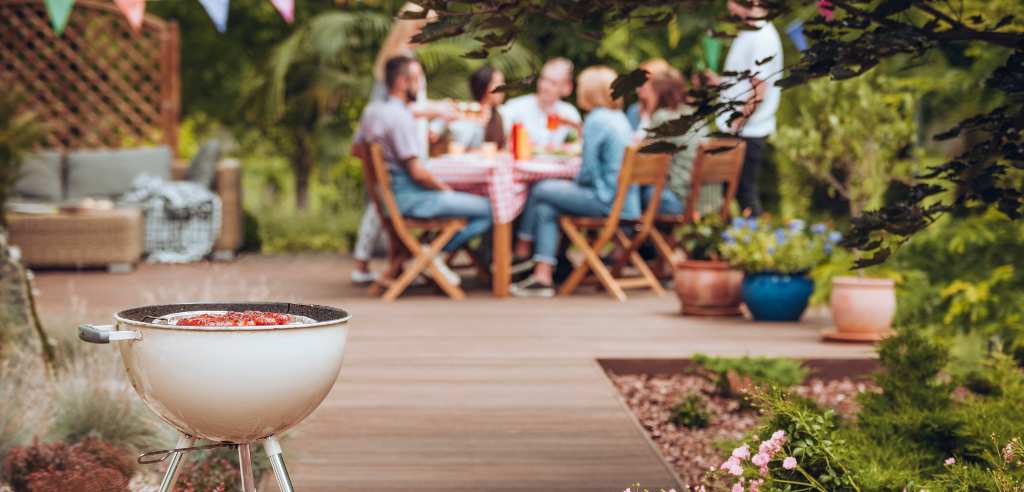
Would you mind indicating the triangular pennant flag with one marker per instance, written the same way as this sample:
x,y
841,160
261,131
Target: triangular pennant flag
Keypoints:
x,y
134,10
286,8
59,11
795,30
218,12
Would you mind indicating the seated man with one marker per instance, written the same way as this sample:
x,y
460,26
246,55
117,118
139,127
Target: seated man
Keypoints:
x,y
391,124
533,110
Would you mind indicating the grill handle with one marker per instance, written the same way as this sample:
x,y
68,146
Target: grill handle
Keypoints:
x,y
105,334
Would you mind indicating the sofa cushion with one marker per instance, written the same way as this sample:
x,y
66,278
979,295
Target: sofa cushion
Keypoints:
x,y
40,177
109,173
203,168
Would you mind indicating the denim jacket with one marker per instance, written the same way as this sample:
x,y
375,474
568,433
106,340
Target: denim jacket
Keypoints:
x,y
606,134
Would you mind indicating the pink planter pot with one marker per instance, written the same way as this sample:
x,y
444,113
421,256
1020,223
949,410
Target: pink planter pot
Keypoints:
x,y
862,309
708,288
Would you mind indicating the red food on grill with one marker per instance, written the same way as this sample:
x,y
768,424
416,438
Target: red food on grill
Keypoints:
x,y
236,318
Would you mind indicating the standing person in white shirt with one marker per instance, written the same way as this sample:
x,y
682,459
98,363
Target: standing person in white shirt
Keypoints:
x,y
532,110
759,95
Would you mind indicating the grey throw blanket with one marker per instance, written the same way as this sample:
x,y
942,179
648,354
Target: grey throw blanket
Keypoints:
x,y
182,218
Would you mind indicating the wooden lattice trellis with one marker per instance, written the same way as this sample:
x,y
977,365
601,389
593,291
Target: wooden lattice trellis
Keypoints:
x,y
98,85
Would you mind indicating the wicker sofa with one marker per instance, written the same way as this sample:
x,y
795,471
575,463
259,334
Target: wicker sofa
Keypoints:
x,y
107,238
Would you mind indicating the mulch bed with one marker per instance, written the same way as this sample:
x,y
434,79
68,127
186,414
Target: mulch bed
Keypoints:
x,y
693,451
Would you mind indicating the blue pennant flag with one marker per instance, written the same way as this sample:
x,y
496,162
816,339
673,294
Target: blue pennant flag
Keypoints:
x,y
795,31
218,12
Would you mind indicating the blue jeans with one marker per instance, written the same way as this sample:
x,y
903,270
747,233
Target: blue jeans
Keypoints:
x,y
548,200
418,202
431,204
670,203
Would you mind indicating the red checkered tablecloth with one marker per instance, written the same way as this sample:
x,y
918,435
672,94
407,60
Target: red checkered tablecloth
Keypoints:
x,y
501,179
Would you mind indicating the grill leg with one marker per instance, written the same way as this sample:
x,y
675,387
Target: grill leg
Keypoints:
x,y
273,449
245,466
171,477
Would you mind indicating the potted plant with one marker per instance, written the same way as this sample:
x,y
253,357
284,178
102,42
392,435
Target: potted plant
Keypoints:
x,y
776,260
705,283
863,303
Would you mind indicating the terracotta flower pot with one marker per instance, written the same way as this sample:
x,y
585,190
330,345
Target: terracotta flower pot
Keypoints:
x,y
862,309
708,288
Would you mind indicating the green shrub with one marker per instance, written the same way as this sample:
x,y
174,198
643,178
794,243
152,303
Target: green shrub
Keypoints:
x,y
25,404
852,136
691,412
906,432
810,435
779,372
328,224
90,400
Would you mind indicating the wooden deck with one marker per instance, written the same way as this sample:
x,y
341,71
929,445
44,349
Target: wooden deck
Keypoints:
x,y
483,394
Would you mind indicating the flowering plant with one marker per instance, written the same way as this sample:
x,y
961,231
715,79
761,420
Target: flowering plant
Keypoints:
x,y
702,237
758,245
772,457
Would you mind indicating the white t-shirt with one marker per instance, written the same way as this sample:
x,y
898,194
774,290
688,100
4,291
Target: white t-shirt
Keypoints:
x,y
747,49
525,110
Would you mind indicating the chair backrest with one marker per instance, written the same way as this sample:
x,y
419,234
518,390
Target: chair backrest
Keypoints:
x,y
718,161
639,170
378,186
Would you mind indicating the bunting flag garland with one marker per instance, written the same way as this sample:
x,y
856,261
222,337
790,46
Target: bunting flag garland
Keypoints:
x,y
59,11
134,10
286,8
218,12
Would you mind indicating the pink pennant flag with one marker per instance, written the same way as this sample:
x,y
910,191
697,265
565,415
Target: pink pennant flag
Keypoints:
x,y
286,8
134,10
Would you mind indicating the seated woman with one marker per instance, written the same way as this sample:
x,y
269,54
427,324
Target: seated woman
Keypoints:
x,y
606,134
670,89
489,127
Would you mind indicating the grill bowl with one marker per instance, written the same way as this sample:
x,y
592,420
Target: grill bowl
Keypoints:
x,y
233,384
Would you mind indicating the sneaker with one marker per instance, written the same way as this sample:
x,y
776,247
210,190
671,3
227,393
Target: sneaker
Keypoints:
x,y
532,287
361,277
521,265
449,275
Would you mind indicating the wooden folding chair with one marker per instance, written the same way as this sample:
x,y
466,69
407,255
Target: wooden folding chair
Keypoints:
x,y
718,161
400,231
637,169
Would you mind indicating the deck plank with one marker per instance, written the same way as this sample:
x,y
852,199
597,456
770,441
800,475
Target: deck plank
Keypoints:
x,y
484,394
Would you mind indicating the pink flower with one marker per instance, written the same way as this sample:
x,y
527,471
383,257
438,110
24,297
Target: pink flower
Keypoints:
x,y
761,459
732,465
789,463
737,487
755,485
742,452
950,461
825,9
779,435
701,489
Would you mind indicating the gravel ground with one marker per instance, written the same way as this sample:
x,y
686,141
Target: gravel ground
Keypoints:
x,y
693,451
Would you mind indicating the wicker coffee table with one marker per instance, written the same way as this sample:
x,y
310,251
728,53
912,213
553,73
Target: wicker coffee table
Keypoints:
x,y
91,238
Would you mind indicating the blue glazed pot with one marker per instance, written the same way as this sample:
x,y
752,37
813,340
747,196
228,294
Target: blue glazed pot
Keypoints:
x,y
777,296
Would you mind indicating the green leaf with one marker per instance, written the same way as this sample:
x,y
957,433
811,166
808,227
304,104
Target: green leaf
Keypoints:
x,y
628,83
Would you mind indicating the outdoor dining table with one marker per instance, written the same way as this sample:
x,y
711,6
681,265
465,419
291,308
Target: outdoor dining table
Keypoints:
x,y
506,182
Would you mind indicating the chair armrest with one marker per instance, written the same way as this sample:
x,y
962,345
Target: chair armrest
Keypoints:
x,y
228,185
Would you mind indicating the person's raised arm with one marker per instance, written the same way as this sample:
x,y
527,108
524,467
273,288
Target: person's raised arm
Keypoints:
x,y
419,173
